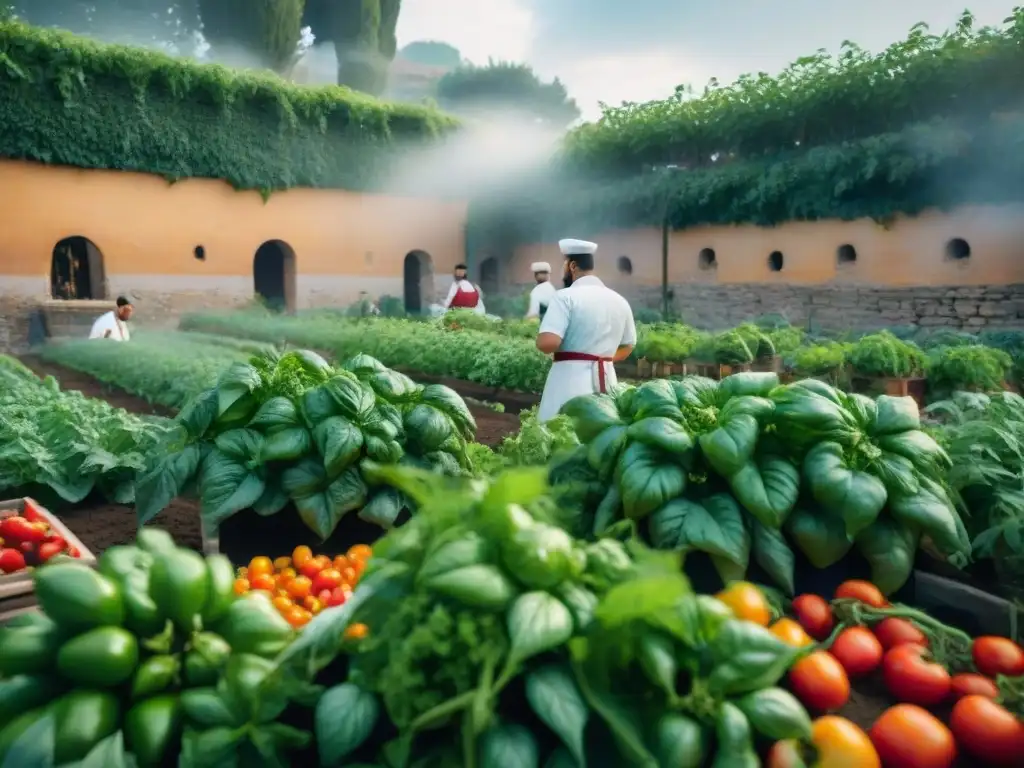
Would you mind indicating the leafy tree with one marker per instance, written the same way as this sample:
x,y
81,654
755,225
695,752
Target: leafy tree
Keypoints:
x,y
431,53
506,87
363,33
267,29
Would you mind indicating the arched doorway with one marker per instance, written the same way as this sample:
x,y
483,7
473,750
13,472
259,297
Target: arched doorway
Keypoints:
x,y
418,278
76,270
273,275
489,276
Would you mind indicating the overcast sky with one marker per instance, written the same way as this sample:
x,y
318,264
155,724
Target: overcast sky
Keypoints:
x,y
636,50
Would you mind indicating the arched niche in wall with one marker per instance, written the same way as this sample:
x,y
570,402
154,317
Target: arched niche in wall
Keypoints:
x,y
76,270
418,281
490,276
273,275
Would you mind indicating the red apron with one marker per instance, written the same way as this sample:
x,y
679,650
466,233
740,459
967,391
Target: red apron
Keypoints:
x,y
464,300
568,357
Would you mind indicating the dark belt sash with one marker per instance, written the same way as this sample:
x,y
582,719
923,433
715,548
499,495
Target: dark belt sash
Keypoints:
x,y
583,357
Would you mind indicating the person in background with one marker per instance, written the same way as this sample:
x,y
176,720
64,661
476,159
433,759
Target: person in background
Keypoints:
x,y
463,294
543,292
114,324
588,327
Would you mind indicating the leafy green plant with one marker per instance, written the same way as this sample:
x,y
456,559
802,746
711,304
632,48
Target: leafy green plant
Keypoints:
x,y
292,429
726,348
973,368
883,355
151,111
666,342
745,470
827,359
61,446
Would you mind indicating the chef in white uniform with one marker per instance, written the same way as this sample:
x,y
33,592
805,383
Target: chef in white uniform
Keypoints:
x,y
588,327
543,293
114,324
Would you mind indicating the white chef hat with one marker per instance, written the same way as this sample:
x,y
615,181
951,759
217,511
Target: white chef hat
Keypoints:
x,y
576,247
540,266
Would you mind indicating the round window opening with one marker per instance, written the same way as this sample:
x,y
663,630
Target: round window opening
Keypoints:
x,y
707,259
625,265
199,252
775,261
958,249
846,254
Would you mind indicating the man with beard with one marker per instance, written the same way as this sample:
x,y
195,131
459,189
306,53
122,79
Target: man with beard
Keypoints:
x,y
588,327
114,324
463,294
543,292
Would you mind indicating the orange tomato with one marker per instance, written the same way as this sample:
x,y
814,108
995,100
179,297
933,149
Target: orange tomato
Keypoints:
x,y
281,563
300,587
310,568
341,563
285,576
909,735
283,604
263,581
243,573
820,682
356,632
241,586
360,552
301,555
791,633
328,578
746,602
864,591
260,565
312,605
298,616
281,592
349,576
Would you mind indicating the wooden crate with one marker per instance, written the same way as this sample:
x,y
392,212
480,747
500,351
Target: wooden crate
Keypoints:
x,y
916,388
16,589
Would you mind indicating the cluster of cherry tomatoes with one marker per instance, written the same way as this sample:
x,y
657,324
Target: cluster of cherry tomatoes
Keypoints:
x,y
302,585
28,540
906,735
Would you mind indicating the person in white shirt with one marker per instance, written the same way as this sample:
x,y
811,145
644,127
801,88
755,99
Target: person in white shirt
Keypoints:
x,y
543,292
114,324
463,294
588,327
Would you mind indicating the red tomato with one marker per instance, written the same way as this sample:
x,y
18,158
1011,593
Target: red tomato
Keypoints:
x,y
49,549
858,650
263,581
864,591
910,677
907,736
892,632
987,731
324,596
815,615
338,597
11,560
998,656
968,684
820,682
326,579
310,568
17,528
33,512
56,538
74,552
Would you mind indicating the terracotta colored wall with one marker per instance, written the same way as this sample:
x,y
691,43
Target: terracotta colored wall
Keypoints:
x,y
147,231
910,252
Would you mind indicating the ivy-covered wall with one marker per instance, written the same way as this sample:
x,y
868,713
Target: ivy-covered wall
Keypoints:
x,y
67,100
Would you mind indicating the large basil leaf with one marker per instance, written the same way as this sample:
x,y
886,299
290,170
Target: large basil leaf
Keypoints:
x,y
889,549
243,445
345,717
448,401
317,405
304,478
510,746
747,657
384,508
392,385
557,701
353,398
895,415
339,442
647,479
238,380
819,534
591,415
926,454
713,525
656,398
680,741
772,553
695,392
273,500
930,511
731,445
897,474
287,444
603,452
165,481
226,487
804,418
537,622
427,428
364,364
862,407
768,488
776,714
662,433
276,413
756,383
321,512
854,496
199,413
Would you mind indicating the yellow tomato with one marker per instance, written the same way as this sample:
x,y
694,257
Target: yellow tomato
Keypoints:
x,y
341,563
301,556
283,604
791,633
299,587
746,602
260,566
313,605
356,632
241,586
360,552
281,563
298,616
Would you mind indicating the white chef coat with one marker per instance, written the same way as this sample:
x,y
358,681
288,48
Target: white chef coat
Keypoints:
x,y
541,296
593,319
110,322
465,285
